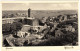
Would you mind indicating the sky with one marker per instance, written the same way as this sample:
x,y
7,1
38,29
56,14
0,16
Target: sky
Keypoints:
x,y
40,6
39,0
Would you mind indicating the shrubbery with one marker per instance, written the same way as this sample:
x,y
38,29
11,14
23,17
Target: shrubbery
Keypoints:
x,y
11,28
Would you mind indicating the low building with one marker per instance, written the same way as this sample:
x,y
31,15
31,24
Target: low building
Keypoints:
x,y
62,18
73,15
70,28
22,34
70,16
11,20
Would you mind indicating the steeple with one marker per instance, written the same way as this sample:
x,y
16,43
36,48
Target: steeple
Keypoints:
x,y
29,11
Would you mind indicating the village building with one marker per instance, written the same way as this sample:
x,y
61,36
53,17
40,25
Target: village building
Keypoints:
x,y
62,18
31,25
7,21
42,21
22,34
70,28
70,16
73,15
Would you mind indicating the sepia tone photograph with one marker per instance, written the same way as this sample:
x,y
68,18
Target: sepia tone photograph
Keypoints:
x,y
39,24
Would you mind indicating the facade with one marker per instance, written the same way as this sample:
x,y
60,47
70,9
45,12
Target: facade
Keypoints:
x,y
7,21
11,20
22,34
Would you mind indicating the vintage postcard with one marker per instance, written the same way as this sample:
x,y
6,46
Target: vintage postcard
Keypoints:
x,y
39,25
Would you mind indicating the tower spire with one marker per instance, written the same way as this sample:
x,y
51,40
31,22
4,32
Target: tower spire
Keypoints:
x,y
29,12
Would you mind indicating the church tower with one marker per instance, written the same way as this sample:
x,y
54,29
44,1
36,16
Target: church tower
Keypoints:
x,y
29,12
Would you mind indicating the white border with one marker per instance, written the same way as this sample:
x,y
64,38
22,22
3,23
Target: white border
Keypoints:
x,y
34,48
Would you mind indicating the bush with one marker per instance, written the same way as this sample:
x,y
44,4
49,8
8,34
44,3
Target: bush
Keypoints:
x,y
12,28
6,27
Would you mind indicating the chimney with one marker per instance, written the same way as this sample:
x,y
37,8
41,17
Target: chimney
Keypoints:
x,y
29,10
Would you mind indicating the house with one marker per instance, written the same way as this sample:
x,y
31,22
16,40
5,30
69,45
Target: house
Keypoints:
x,y
62,18
42,21
70,28
22,34
70,16
73,15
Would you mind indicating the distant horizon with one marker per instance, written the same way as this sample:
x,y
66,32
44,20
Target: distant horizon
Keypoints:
x,y
38,10
40,6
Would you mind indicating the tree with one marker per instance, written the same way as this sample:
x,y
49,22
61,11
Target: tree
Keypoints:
x,y
16,26
12,28
6,27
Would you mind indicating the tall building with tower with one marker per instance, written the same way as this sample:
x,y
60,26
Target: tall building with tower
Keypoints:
x,y
29,11
31,20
